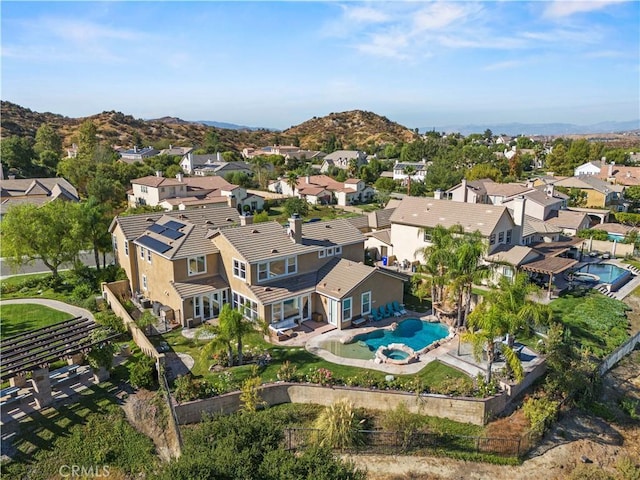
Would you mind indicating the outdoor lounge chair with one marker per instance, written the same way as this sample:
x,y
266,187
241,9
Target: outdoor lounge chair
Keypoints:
x,y
384,312
376,314
399,308
392,310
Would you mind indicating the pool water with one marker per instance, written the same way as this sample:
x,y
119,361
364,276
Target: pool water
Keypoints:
x,y
397,355
412,332
607,272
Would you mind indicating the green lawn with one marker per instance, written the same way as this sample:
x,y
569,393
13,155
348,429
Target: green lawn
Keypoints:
x,y
432,374
315,211
18,318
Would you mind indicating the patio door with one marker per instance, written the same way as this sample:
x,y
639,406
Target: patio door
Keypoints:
x,y
333,311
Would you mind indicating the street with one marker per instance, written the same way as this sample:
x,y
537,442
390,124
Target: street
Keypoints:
x,y
38,267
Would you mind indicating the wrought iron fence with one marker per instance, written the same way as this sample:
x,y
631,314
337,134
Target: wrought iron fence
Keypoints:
x,y
385,442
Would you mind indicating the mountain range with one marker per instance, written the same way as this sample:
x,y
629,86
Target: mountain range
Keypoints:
x,y
547,129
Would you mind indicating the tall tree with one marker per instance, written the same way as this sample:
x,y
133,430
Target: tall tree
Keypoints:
x,y
17,154
87,140
234,325
94,226
505,310
409,170
292,181
50,233
48,147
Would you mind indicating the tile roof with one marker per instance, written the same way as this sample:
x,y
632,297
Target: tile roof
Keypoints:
x,y
155,181
36,186
262,241
338,277
343,154
361,222
429,212
199,287
333,232
513,254
218,217
567,219
383,235
533,225
589,182
285,288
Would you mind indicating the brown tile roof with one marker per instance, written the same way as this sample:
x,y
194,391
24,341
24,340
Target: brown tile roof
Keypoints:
x,y
333,232
429,212
615,228
36,186
513,254
155,181
199,286
339,277
383,235
285,288
361,222
567,219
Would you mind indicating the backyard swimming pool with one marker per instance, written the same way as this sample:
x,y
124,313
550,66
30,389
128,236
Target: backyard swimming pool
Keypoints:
x,y
606,272
413,332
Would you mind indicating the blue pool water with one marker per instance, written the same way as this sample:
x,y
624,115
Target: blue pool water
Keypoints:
x,y
412,332
607,272
614,237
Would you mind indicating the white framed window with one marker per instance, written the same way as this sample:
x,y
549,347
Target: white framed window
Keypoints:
x,y
126,248
427,236
248,307
366,303
346,309
507,272
509,236
144,189
322,253
292,265
144,282
492,239
239,269
263,271
148,255
197,307
330,252
501,237
338,250
114,241
142,253
276,312
197,265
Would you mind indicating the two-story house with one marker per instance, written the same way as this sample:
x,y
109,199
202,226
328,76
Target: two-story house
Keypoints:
x,y
322,189
342,159
419,174
136,154
189,264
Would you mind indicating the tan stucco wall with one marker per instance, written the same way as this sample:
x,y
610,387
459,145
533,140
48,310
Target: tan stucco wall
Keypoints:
x,y
466,410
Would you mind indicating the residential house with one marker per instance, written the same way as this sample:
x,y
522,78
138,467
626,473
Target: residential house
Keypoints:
x,y
620,175
414,217
600,194
590,168
138,154
419,169
322,189
176,151
184,193
189,264
37,191
342,159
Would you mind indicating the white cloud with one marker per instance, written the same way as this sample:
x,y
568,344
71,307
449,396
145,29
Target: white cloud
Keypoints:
x,y
440,15
364,14
507,65
565,8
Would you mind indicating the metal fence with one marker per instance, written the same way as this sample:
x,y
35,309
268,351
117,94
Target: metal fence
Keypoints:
x,y
384,442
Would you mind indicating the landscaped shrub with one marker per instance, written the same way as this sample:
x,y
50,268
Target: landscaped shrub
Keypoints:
x,y
457,387
541,413
338,426
321,376
250,395
142,373
486,389
82,291
401,420
188,388
110,320
287,372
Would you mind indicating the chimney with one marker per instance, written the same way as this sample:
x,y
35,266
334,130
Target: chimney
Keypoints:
x,y
550,189
159,173
246,219
464,190
610,173
135,149
307,179
518,215
231,201
295,228
218,157
180,177
437,194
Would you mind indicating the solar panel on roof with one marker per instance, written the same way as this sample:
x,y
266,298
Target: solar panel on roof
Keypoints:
x,y
172,234
153,244
156,228
172,224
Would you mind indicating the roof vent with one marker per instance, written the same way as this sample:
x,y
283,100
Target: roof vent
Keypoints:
x,y
267,289
327,226
273,250
209,222
149,219
254,231
229,219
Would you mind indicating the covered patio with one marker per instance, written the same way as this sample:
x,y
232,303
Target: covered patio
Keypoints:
x,y
550,267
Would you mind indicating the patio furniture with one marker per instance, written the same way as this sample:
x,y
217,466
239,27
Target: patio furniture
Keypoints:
x,y
283,328
384,312
358,321
392,310
376,314
399,308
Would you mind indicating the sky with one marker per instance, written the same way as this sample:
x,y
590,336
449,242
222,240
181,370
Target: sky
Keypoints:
x,y
278,64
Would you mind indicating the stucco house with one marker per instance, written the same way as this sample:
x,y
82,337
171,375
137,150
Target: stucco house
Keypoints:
x,y
136,154
37,191
342,158
322,189
419,169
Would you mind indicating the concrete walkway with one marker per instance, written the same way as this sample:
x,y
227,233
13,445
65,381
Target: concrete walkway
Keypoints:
x,y
55,304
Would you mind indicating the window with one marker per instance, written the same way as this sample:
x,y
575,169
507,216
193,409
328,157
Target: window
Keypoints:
x,y
501,237
509,237
148,255
114,241
346,309
276,312
144,189
263,271
126,248
248,307
427,237
330,252
142,253
366,303
144,282
338,250
196,306
322,253
292,265
197,265
492,239
507,272
239,269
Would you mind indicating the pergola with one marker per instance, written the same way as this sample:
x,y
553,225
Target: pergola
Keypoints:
x,y
37,348
550,266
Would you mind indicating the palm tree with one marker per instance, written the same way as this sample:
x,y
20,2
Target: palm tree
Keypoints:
x,y
292,181
408,171
505,310
234,325
220,342
259,165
